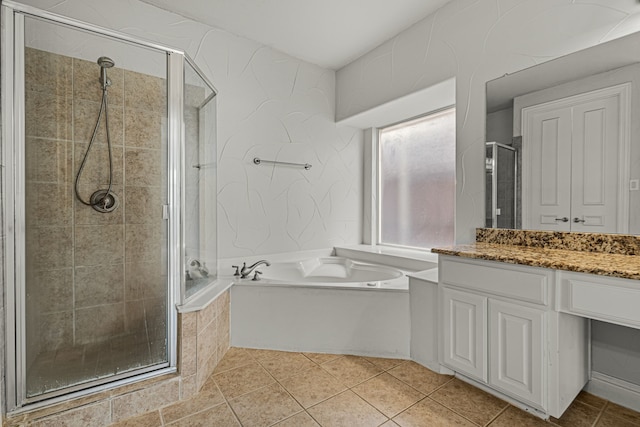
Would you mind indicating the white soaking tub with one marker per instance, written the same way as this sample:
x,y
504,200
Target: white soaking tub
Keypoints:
x,y
323,304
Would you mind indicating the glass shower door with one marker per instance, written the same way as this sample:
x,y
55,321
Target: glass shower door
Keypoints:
x,y
95,296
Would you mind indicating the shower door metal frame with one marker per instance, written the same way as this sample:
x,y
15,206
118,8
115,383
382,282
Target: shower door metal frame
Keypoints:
x,y
13,186
494,182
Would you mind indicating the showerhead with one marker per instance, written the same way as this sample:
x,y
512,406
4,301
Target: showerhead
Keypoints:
x,y
106,62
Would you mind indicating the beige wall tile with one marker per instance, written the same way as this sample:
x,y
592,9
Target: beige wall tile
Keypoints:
x,y
48,161
207,343
189,386
99,285
96,323
86,85
188,324
142,401
144,204
145,280
95,415
47,115
53,289
208,397
53,204
144,242
144,128
85,117
144,91
96,171
50,247
218,415
188,355
144,167
134,316
99,244
206,316
150,419
56,329
47,72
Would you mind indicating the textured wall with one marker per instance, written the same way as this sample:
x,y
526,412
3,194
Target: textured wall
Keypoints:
x,y
476,41
270,105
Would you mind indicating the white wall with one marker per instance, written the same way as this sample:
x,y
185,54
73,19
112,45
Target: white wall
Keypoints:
x,y
476,41
270,105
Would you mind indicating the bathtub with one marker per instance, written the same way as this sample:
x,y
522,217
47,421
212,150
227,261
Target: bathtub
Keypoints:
x,y
336,272
323,304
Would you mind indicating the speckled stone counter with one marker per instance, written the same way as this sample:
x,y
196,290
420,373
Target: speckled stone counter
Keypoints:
x,y
602,254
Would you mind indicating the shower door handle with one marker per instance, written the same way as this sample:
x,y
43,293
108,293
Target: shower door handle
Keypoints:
x,y
563,219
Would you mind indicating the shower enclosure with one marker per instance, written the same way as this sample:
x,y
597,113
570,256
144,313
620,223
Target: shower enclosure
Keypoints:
x,y
501,182
102,216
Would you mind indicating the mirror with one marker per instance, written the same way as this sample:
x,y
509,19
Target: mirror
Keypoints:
x,y
563,143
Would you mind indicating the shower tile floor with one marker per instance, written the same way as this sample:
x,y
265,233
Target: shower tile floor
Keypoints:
x,y
273,388
68,366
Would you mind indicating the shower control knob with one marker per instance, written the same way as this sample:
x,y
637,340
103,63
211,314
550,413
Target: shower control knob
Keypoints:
x,y
255,275
563,219
237,273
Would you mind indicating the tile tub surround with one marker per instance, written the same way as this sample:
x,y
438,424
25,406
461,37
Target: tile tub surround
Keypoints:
x,y
618,244
274,388
203,343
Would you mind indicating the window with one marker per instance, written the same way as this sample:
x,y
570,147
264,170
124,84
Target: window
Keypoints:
x,y
416,187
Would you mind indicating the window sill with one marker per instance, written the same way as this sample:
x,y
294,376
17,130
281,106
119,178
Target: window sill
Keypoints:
x,y
405,259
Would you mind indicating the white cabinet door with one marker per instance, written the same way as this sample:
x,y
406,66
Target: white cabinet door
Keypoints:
x,y
465,333
516,350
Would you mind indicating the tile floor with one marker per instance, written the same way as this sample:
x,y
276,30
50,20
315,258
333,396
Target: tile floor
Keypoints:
x,y
272,388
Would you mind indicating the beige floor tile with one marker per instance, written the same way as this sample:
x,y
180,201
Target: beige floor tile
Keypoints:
x,y
286,365
265,406
419,377
150,419
622,412
301,419
261,355
513,416
609,420
385,364
242,380
389,424
208,396
346,409
468,401
234,358
388,394
321,358
313,386
430,413
219,416
577,415
590,399
351,370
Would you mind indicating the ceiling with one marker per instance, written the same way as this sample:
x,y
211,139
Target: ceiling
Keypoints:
x,y
329,33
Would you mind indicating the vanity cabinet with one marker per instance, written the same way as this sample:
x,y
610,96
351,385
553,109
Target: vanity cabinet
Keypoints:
x,y
499,329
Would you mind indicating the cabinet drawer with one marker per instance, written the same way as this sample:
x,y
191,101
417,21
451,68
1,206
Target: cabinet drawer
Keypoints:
x,y
526,284
599,297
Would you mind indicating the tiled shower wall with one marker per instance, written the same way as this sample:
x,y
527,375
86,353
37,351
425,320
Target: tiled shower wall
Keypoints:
x,y
93,276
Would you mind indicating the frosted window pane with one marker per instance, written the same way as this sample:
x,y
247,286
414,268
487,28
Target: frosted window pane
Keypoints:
x,y
417,181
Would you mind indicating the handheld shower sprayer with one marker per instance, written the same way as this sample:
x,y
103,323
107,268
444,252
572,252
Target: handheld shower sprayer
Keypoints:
x,y
104,63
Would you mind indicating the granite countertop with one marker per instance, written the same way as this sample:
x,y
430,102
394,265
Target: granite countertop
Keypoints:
x,y
605,264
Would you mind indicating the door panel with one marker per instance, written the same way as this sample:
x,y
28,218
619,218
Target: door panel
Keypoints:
x,y
594,178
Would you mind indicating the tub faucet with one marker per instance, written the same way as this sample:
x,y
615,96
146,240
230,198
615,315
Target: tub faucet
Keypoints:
x,y
245,271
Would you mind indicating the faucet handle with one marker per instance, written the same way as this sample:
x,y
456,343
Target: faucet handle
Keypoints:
x,y
255,275
237,273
